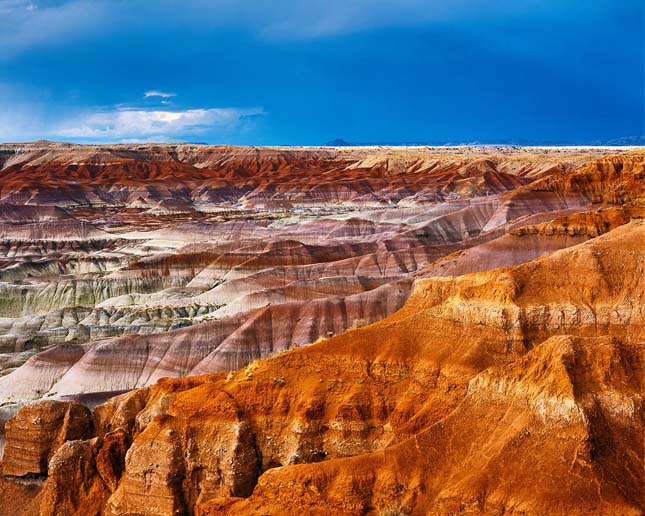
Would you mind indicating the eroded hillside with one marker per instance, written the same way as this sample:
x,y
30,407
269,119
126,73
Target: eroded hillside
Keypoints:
x,y
478,319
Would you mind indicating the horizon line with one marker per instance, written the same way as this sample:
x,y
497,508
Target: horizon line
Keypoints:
x,y
348,145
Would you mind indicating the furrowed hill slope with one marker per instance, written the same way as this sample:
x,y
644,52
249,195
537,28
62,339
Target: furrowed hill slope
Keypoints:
x,y
113,286
512,391
476,317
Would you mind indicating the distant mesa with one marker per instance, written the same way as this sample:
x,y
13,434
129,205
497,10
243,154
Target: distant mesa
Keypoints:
x,y
625,141
338,142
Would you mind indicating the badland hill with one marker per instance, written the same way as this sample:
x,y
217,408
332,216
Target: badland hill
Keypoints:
x,y
336,331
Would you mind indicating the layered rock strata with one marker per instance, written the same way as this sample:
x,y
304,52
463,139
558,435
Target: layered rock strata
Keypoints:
x,y
450,331
488,393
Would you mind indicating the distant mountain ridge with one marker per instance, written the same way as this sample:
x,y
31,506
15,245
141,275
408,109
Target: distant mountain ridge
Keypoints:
x,y
624,141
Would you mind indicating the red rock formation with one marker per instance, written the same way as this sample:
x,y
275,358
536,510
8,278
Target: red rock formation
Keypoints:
x,y
20,498
188,174
528,438
525,243
38,430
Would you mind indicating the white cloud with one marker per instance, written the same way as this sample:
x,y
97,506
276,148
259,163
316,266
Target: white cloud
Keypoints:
x,y
157,93
123,124
28,113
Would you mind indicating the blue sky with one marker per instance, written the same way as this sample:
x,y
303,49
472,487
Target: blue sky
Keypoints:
x,y
304,72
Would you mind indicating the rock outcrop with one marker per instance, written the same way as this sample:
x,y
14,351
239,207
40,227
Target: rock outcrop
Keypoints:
x,y
38,431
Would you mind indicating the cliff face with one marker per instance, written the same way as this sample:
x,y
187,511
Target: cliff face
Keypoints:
x,y
37,431
478,355
528,438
